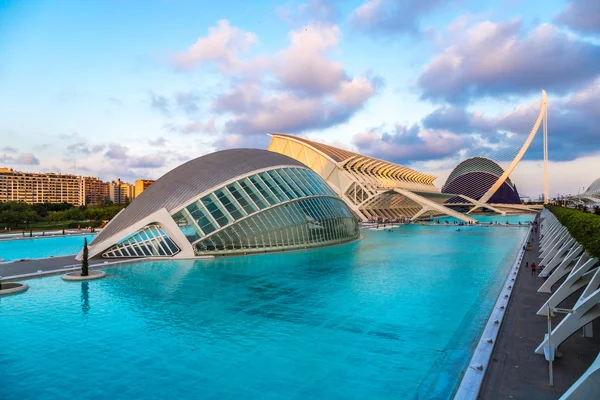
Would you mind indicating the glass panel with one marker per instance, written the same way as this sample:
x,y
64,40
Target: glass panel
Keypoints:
x,y
305,223
281,196
230,204
262,188
242,198
252,192
215,209
302,182
297,190
187,225
316,184
295,178
204,222
282,184
172,246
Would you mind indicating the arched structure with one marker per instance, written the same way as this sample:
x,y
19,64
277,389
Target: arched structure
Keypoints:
x,y
474,177
591,197
369,186
232,201
542,117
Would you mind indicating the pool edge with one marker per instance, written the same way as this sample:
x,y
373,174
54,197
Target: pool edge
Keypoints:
x,y
472,379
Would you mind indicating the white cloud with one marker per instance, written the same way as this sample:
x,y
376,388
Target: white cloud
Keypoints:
x,y
221,46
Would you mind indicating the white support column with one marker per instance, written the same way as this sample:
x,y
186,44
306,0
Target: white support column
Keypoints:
x,y
586,387
591,287
552,249
550,233
479,204
560,255
583,314
429,205
581,277
545,126
565,267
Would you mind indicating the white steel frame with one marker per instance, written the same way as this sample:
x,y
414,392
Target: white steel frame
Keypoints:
x,y
387,190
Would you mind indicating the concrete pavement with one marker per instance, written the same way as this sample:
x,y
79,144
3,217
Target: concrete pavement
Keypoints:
x,y
515,371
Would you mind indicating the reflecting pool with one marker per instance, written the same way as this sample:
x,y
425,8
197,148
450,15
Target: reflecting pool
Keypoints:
x,y
16,249
395,315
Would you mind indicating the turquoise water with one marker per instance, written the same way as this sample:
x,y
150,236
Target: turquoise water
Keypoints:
x,y
395,315
16,249
486,219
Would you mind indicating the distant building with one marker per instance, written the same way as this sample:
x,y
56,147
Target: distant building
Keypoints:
x,y
591,197
141,185
372,188
94,190
48,187
475,176
121,192
33,187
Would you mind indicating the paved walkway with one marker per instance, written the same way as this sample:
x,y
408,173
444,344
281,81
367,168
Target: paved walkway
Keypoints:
x,y
515,371
46,264
31,266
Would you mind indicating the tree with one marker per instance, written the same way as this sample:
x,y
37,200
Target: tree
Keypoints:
x,y
53,217
84,259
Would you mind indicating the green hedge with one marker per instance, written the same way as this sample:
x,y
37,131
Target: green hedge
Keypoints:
x,y
584,227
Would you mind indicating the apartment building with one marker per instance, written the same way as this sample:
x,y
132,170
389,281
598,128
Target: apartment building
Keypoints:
x,y
120,192
48,187
141,185
94,190
34,187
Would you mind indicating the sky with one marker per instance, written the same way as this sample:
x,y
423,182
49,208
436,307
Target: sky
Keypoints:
x,y
132,88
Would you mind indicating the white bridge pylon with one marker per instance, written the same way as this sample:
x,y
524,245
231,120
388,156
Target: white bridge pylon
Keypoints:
x,y
542,117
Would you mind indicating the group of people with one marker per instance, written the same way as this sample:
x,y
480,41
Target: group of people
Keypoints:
x,y
456,222
528,247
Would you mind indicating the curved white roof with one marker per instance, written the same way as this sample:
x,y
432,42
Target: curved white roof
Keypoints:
x,y
594,187
185,182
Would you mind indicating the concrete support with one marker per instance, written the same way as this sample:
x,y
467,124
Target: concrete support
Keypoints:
x,y
430,205
565,267
558,258
479,204
554,246
583,313
581,276
586,387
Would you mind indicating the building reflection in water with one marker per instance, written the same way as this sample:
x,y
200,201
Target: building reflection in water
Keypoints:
x,y
85,297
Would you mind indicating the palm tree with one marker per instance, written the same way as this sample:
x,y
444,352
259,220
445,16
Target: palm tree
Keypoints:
x,y
84,259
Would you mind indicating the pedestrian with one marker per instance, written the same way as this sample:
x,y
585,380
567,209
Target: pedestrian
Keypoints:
x,y
532,269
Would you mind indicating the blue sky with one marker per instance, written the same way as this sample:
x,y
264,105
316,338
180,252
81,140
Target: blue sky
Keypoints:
x,y
131,89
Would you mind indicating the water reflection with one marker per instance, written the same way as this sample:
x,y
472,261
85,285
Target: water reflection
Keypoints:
x,y
85,297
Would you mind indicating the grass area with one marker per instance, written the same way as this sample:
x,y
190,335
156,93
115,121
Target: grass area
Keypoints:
x,y
584,227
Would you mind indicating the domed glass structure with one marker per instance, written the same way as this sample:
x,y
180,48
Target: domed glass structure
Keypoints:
x,y
475,176
232,201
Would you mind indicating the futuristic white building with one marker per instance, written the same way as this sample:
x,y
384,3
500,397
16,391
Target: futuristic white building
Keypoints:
x,y
591,197
370,187
228,202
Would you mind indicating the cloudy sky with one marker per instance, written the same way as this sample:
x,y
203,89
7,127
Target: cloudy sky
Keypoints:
x,y
133,88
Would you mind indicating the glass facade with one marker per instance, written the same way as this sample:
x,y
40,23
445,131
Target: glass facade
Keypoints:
x,y
305,223
276,209
150,241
